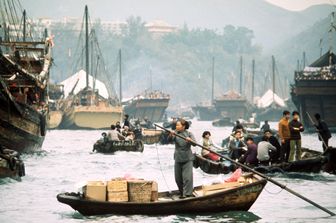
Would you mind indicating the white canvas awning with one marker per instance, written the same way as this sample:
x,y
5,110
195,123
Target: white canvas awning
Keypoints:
x,y
81,75
267,100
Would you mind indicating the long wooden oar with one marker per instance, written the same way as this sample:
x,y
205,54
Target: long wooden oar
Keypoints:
x,y
254,171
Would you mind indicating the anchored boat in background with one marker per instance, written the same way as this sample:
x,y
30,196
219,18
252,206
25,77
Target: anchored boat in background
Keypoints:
x,y
151,105
24,76
89,104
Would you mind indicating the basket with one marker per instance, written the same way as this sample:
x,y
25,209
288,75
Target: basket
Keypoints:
x,y
139,191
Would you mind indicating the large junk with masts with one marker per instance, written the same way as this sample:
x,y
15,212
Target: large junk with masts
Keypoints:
x,y
24,76
89,103
314,90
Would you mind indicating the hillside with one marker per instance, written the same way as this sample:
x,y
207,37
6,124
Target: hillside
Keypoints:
x,y
271,24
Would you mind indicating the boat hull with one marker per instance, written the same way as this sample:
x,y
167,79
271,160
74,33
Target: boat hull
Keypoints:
x,y
152,109
54,119
151,136
315,96
236,199
91,117
20,132
312,162
114,146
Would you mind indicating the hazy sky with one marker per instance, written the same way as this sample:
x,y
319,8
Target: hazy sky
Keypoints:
x,y
299,4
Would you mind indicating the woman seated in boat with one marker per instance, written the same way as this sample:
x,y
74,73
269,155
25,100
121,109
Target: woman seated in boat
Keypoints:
x,y
264,150
125,131
207,142
237,147
250,157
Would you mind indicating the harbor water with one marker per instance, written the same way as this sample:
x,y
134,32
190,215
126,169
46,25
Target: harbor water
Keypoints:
x,y
66,161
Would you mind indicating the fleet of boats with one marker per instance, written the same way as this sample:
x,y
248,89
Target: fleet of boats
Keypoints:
x,y
29,105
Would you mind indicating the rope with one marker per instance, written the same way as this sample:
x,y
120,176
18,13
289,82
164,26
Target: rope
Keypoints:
x,y
274,192
157,153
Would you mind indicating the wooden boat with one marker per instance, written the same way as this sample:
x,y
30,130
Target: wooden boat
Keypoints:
x,y
54,119
56,95
211,167
150,104
24,77
222,122
311,162
109,146
91,103
233,197
151,136
11,165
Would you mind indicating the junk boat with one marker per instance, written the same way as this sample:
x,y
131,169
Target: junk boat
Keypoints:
x,y
24,77
150,104
89,104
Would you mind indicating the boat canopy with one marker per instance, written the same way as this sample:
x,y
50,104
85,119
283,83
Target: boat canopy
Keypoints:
x,y
80,76
323,61
267,100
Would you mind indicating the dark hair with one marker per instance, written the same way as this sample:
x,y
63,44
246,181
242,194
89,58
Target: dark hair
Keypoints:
x,y
268,131
295,113
264,138
249,138
266,121
184,123
126,116
285,113
113,127
238,122
237,132
317,116
206,133
104,134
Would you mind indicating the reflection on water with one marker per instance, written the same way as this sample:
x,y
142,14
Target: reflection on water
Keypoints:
x,y
66,160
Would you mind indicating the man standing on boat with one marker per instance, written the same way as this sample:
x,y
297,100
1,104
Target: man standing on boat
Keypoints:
x,y
323,130
183,158
284,134
295,127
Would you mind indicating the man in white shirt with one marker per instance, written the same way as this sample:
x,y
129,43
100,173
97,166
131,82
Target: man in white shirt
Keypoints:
x,y
264,148
114,134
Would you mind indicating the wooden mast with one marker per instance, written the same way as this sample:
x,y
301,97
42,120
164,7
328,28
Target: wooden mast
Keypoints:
x,y
241,76
213,81
253,72
24,25
120,77
87,46
273,76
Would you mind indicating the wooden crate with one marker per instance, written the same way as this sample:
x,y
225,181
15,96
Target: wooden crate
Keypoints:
x,y
116,185
95,190
139,190
119,196
155,193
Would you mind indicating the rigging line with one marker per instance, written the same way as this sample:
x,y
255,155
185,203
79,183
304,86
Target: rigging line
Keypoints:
x,y
16,15
164,178
15,20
